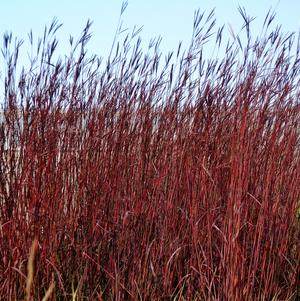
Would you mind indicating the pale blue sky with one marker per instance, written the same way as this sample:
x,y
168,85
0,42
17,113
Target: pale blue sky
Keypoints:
x,y
170,19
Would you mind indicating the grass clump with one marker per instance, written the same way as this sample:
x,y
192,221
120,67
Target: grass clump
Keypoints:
x,y
145,179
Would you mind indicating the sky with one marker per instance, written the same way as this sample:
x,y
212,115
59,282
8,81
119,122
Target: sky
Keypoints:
x,y
172,20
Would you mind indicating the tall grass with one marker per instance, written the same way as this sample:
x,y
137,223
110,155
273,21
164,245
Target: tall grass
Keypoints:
x,y
152,179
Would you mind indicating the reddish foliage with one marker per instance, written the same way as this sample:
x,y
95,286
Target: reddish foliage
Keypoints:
x,y
146,182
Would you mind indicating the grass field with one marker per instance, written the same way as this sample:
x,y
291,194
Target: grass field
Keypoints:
x,y
148,177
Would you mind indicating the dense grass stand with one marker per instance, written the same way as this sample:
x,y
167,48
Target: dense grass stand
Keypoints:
x,y
147,178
